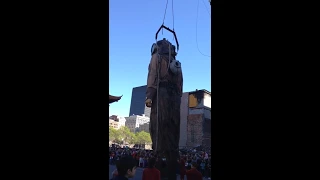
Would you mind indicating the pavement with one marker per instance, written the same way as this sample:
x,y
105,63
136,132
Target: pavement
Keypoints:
x,y
138,175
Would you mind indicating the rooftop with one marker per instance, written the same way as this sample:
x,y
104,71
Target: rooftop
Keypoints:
x,y
139,87
206,91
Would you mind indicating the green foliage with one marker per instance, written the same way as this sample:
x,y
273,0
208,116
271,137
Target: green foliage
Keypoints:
x,y
113,134
124,135
133,139
143,138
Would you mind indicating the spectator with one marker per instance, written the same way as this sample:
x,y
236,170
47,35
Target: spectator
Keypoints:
x,y
151,173
114,174
202,167
190,156
145,162
111,159
137,159
193,173
206,169
189,164
183,170
206,156
198,160
126,168
141,161
209,167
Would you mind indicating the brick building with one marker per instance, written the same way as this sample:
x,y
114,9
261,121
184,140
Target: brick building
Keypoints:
x,y
195,122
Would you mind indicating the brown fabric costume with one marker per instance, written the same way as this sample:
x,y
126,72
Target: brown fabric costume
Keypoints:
x,y
170,92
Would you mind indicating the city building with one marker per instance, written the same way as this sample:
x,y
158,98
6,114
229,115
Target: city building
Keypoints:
x,y
184,110
145,127
138,98
121,120
114,124
195,116
135,121
195,119
114,117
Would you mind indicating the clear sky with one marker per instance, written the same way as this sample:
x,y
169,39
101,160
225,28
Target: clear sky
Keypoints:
x,y
132,28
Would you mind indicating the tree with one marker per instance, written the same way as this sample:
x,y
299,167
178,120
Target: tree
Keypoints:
x,y
113,134
133,139
125,135
143,138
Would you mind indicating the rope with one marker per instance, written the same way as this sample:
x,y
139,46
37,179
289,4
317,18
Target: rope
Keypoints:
x,y
172,20
172,16
164,17
206,7
197,31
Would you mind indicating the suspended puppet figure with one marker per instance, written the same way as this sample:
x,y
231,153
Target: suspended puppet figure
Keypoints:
x,y
164,91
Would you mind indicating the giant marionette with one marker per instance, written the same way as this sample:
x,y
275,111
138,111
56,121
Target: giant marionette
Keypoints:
x,y
164,91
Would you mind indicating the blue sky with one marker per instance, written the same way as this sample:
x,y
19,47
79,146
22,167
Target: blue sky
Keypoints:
x,y
132,28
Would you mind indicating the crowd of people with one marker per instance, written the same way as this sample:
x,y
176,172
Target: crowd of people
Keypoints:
x,y
201,160
190,161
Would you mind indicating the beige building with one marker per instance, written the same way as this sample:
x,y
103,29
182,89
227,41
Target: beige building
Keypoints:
x,y
114,124
121,120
